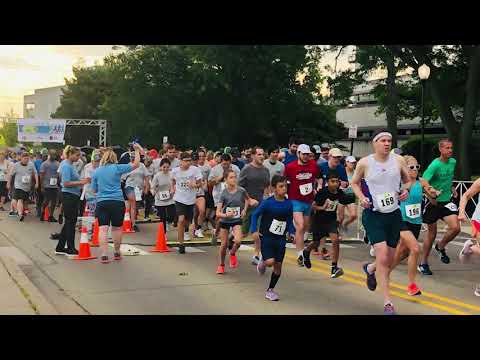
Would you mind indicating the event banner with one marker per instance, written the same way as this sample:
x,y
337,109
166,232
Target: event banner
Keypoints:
x,y
35,130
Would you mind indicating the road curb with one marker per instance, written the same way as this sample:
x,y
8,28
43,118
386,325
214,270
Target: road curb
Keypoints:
x,y
35,298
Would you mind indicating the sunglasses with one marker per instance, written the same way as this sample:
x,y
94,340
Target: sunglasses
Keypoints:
x,y
414,167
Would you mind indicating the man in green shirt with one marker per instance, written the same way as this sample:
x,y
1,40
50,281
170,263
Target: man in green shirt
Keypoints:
x,y
440,176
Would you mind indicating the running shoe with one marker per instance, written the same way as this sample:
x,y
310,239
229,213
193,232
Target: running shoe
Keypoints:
x,y
135,228
12,213
466,250
187,236
413,290
371,279
300,261
72,252
443,255
424,269
181,249
117,256
255,260
22,218
271,295
325,254
336,272
477,290
306,259
233,261
61,252
104,260
261,268
388,309
220,270
199,234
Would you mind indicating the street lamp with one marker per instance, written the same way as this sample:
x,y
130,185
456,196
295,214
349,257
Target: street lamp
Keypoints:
x,y
423,74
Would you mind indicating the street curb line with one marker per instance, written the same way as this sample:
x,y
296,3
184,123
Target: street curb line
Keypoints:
x,y
35,298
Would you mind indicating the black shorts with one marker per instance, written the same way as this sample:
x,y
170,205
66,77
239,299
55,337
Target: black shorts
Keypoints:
x,y
209,201
185,210
122,185
166,213
3,189
432,213
413,228
50,194
273,248
349,199
323,229
228,226
110,212
19,194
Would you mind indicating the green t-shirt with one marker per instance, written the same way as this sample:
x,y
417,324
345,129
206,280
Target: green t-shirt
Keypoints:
x,y
440,176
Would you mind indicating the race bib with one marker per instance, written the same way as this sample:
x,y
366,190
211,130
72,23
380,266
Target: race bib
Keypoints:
x,y
183,185
138,194
235,210
386,201
413,211
278,227
26,179
331,205
306,189
53,181
164,195
451,207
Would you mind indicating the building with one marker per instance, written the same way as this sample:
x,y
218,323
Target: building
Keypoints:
x,y
43,103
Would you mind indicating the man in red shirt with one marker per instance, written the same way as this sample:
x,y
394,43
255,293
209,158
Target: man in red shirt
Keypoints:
x,y
302,175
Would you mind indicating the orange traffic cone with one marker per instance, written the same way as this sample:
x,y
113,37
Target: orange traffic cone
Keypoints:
x,y
94,242
46,214
127,223
161,245
84,249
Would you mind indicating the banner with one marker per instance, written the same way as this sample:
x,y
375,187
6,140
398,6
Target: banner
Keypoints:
x,y
34,130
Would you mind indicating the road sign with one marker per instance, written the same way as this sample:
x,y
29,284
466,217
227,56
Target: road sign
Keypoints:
x,y
352,132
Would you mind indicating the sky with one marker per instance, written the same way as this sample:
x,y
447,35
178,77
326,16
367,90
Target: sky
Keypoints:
x,y
24,68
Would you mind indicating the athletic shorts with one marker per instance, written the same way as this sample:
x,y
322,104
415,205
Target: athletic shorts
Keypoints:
x,y
228,226
432,213
3,189
349,199
413,228
382,227
209,201
50,194
128,191
303,207
272,248
185,210
247,221
19,194
110,212
323,229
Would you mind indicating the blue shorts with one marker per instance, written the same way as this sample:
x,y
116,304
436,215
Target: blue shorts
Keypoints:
x,y
272,248
128,192
303,207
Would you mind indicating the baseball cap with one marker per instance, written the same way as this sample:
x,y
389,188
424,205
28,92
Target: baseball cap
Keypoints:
x,y
335,152
350,159
317,149
304,149
397,151
325,146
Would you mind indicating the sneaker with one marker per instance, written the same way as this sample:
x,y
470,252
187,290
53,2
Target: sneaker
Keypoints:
x,y
325,254
261,268
255,260
477,290
336,272
306,259
61,252
186,236
181,249
220,270
424,269
443,255
104,260
233,261
271,295
51,219
135,228
388,309
371,279
55,236
60,219
199,234
300,261
12,213
466,250
22,218
413,290
117,256
72,252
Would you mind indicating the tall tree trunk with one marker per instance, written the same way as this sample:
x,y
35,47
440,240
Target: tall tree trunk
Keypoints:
x,y
392,100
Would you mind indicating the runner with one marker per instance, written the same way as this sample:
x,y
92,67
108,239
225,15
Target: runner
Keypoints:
x,y
49,180
324,154
350,161
291,153
110,208
186,180
236,158
231,209
325,221
24,173
5,166
162,190
200,208
88,194
276,220
172,156
274,166
148,199
39,159
440,175
302,175
255,179
376,183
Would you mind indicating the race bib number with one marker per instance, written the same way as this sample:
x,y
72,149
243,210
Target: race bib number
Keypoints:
x,y
331,205
451,207
164,195
235,211
386,201
306,189
138,194
53,181
278,227
26,179
413,211
183,185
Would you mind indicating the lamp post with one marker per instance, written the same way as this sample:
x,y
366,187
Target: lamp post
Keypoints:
x,y
423,74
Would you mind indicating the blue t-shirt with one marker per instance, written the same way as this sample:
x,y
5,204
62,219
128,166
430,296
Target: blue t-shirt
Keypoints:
x,y
37,164
67,174
240,164
106,181
273,210
412,207
289,158
340,170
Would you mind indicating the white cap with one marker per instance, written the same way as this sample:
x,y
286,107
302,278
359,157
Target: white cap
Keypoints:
x,y
335,152
304,149
350,159
317,149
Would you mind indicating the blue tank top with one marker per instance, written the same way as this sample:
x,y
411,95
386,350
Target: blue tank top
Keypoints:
x,y
412,207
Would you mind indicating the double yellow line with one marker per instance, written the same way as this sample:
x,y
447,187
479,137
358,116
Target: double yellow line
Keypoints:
x,y
354,277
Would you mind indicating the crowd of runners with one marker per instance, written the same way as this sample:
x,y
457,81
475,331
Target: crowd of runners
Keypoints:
x,y
273,195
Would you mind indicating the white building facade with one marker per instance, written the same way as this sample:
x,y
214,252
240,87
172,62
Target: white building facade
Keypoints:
x,y
43,103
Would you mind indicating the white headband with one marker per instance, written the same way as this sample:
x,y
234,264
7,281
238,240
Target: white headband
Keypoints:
x,y
382,134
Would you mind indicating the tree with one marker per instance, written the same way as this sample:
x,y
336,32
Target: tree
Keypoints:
x,y
9,129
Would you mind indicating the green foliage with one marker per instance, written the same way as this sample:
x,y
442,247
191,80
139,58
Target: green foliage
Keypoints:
x,y
8,131
430,147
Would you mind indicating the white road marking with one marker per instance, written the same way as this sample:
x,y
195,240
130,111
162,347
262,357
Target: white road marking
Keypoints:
x,y
189,249
246,248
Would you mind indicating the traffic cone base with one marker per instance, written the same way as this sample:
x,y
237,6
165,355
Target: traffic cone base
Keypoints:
x,y
161,245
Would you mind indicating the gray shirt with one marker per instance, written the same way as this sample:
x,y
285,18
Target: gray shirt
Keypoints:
x,y
205,170
161,185
24,175
136,178
233,201
274,169
49,173
216,172
183,193
254,180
